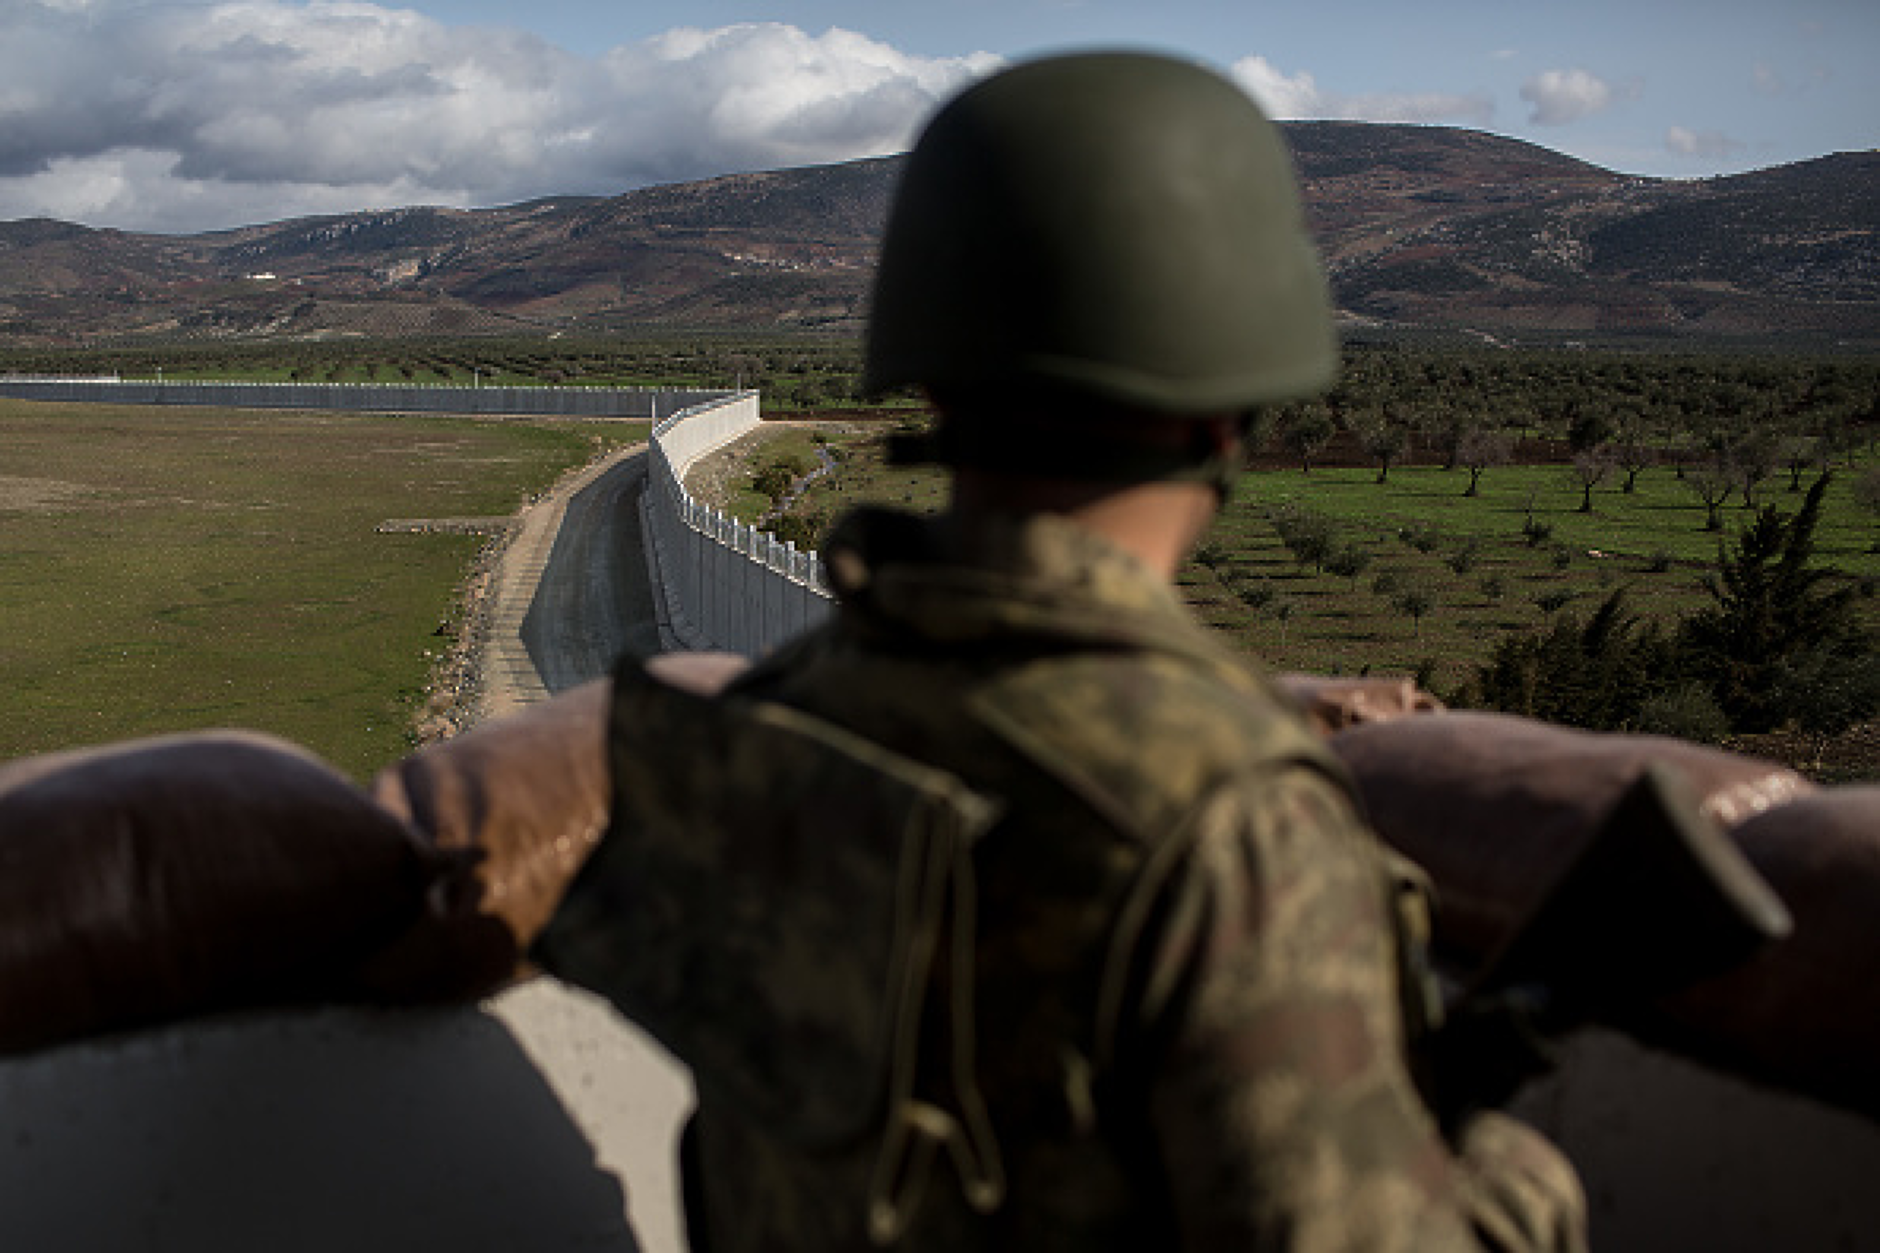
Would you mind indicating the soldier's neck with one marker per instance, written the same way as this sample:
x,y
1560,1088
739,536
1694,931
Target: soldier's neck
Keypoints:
x,y
1157,523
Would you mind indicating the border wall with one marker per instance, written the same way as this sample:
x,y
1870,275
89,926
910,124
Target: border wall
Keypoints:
x,y
648,403
725,584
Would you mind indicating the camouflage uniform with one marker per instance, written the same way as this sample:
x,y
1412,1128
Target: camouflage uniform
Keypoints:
x,y
1183,966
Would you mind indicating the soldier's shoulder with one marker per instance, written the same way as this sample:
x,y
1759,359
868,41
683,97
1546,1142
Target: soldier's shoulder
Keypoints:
x,y
1144,733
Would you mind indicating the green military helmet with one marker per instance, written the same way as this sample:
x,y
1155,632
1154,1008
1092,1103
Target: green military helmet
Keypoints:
x,y
1121,226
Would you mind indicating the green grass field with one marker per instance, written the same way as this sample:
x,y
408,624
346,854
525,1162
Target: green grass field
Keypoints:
x,y
172,569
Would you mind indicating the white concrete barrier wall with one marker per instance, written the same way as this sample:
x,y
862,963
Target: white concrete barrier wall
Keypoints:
x,y
725,584
652,403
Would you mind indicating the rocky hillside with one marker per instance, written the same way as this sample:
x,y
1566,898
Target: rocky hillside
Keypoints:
x,y
1421,227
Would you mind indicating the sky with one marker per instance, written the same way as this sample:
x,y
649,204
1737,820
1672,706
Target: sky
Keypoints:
x,y
188,117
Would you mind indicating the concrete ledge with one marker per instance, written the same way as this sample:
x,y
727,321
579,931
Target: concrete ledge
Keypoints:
x,y
512,1126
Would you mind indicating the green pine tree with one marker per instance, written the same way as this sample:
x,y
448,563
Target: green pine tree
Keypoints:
x,y
1771,607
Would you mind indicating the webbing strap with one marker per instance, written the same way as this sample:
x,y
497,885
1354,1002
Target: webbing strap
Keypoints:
x,y
937,902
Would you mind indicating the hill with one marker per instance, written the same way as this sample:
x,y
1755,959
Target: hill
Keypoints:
x,y
1422,227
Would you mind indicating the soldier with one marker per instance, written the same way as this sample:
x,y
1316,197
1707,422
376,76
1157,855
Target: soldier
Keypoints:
x,y
1147,983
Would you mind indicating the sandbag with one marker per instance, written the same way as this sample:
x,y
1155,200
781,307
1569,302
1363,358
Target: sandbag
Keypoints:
x,y
527,796
700,673
156,879
1806,1013
1494,806
1334,703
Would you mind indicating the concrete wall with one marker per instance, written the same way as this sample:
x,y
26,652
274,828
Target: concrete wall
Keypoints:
x,y
537,1123
1676,1156
583,402
725,585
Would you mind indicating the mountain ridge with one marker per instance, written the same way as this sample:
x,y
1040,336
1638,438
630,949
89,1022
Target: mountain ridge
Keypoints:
x,y
1422,227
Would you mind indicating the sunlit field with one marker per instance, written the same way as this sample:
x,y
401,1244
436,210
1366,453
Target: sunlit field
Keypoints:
x,y
171,569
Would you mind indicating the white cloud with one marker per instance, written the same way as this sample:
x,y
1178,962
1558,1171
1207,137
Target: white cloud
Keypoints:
x,y
1711,145
1280,96
1562,96
1300,96
160,118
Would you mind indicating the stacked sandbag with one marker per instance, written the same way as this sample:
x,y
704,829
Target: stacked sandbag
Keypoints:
x,y
1332,703
1494,807
157,879
1807,1012
528,798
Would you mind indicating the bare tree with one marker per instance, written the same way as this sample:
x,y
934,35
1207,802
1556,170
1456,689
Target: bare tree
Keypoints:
x,y
1633,452
1480,449
1591,467
1712,481
1801,453
1754,457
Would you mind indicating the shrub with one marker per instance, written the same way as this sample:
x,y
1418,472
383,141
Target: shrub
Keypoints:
x,y
1592,674
1253,593
1686,710
1824,692
1309,536
806,530
1415,604
775,478
1348,562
